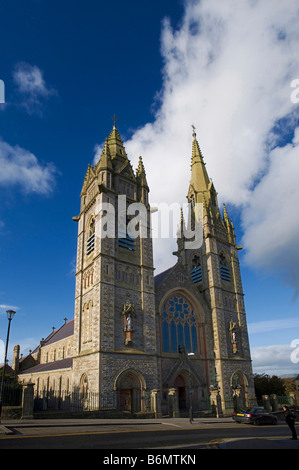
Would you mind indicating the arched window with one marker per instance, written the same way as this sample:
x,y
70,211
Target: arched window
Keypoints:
x,y
91,236
224,267
179,325
124,238
87,322
196,271
83,386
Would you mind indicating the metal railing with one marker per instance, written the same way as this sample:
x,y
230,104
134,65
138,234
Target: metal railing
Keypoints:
x,y
73,401
12,395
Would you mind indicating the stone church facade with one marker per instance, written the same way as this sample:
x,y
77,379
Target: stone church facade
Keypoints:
x,y
145,342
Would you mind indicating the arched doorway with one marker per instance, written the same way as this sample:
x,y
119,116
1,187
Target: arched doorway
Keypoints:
x,y
239,387
180,385
130,387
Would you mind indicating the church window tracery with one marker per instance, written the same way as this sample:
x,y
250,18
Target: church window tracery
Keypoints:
x,y
179,326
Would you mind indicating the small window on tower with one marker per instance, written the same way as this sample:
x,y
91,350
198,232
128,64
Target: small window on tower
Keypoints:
x,y
91,237
125,240
224,269
196,272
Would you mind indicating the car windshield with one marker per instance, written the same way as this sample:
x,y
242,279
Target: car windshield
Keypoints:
x,y
257,410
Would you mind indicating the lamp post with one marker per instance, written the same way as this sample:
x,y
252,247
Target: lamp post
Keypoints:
x,y
190,389
10,315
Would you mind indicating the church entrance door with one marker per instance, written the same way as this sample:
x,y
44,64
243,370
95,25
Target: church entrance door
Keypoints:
x,y
179,383
130,387
125,402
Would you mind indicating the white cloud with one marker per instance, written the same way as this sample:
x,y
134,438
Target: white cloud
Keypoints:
x,y
32,86
20,167
271,218
97,152
228,69
8,307
273,325
273,360
24,343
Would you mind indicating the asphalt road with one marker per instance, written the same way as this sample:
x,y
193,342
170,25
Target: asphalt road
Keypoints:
x,y
172,435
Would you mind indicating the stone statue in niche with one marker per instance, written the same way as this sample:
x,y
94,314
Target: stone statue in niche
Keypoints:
x,y
233,336
128,314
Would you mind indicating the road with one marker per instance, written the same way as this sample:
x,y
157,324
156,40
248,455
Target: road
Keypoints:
x,y
171,434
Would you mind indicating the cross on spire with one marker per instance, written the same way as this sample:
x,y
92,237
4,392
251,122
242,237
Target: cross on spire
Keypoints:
x,y
194,129
115,120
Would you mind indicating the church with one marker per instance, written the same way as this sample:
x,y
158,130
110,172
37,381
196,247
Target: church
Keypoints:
x,y
140,342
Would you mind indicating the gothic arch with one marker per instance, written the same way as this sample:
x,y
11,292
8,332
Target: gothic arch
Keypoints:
x,y
184,381
224,257
83,387
239,375
131,375
182,323
90,226
189,296
130,389
239,386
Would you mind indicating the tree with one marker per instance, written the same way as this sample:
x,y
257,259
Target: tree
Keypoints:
x,y
266,385
290,385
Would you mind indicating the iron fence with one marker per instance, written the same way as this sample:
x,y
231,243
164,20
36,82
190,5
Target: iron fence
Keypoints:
x,y
285,400
73,401
12,395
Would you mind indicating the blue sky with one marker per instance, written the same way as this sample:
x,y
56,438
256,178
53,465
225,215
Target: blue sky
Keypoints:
x,y
160,66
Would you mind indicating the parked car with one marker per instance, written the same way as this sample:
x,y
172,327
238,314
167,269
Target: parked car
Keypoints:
x,y
254,416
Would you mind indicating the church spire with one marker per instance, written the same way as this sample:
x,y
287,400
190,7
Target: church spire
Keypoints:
x,y
105,160
140,174
142,185
199,176
116,145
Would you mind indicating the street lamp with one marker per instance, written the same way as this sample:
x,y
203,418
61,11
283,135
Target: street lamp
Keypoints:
x,y
190,389
10,315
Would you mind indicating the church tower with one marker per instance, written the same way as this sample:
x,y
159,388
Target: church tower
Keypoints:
x,y
215,272
115,338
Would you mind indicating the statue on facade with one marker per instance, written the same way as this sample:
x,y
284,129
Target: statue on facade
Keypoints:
x,y
128,313
233,336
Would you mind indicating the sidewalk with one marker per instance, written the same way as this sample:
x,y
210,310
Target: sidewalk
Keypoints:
x,y
6,425
261,443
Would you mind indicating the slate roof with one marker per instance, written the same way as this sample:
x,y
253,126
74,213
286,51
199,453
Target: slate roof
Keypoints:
x,y
50,366
159,278
67,329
